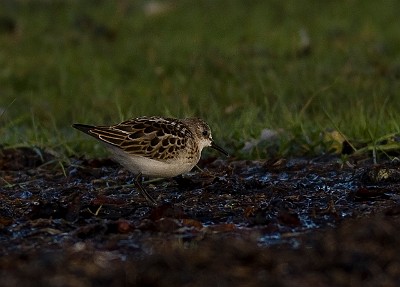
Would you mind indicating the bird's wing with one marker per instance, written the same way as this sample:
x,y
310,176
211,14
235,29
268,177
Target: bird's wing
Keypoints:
x,y
152,137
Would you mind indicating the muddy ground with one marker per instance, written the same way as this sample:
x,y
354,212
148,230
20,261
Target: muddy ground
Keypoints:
x,y
284,222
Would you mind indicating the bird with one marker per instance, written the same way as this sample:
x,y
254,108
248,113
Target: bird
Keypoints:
x,y
155,146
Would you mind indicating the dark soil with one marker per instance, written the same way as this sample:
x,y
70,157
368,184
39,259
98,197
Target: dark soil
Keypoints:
x,y
294,222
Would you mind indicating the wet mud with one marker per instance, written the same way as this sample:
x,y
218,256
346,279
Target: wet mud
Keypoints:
x,y
282,222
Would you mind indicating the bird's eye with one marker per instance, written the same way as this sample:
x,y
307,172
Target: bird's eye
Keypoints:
x,y
205,133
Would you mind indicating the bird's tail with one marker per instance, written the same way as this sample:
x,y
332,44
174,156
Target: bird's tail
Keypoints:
x,y
83,128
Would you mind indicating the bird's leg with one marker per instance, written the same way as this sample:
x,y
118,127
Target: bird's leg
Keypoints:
x,y
137,181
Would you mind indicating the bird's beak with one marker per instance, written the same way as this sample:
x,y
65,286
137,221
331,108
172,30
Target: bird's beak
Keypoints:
x,y
218,148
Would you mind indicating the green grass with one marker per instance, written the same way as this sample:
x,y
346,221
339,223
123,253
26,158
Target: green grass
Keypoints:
x,y
238,64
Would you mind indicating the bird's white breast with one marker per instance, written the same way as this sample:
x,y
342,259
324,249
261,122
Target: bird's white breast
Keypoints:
x,y
150,167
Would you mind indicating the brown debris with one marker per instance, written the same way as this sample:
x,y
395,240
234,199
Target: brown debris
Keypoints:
x,y
284,222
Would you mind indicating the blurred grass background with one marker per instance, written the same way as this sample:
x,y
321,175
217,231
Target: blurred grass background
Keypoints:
x,y
303,67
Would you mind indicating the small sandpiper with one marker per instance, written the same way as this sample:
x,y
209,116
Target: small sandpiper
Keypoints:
x,y
155,146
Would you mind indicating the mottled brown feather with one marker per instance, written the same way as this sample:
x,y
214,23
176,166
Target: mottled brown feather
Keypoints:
x,y
151,137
